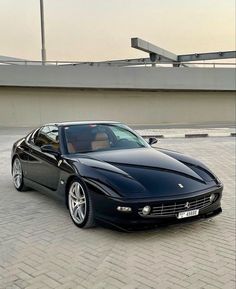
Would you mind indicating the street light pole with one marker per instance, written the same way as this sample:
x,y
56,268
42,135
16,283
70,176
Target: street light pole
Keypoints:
x,y
43,50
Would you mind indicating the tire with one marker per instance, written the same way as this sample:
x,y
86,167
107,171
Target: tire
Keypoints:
x,y
17,175
80,205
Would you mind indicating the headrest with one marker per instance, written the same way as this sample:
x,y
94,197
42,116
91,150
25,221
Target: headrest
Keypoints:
x,y
80,136
101,136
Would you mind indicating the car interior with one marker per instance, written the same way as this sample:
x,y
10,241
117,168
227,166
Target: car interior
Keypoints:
x,y
86,140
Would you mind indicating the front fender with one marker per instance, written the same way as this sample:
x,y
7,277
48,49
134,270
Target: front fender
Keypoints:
x,y
194,164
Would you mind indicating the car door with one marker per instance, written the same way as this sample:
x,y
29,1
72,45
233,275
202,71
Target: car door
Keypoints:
x,y
43,167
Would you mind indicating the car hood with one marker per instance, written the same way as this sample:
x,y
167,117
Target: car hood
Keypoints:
x,y
144,158
144,172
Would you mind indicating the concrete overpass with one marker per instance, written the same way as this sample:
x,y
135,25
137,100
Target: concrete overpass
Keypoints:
x,y
31,95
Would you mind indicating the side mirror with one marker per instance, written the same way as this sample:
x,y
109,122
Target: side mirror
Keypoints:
x,y
152,140
49,149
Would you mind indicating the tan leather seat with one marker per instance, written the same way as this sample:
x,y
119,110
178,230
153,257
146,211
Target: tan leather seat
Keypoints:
x,y
71,148
101,141
80,142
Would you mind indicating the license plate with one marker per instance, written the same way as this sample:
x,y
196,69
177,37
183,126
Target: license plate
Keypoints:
x,y
188,214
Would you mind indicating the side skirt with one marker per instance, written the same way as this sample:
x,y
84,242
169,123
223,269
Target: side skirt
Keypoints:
x,y
37,187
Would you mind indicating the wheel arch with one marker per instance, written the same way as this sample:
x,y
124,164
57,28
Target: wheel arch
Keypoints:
x,y
88,219
67,187
68,183
70,179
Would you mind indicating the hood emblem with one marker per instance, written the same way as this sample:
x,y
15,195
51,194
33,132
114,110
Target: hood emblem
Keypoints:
x,y
181,186
187,205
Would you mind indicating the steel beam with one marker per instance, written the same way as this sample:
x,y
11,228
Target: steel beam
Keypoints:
x,y
161,53
157,53
207,56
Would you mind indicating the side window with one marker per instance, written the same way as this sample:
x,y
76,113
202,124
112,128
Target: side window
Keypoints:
x,y
47,135
53,134
34,136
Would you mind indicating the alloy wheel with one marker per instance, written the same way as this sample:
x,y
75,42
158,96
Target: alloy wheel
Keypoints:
x,y
77,202
17,173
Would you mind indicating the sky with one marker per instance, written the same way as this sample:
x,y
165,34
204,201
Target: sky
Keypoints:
x,y
94,30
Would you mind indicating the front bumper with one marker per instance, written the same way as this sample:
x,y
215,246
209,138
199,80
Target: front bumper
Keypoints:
x,y
106,210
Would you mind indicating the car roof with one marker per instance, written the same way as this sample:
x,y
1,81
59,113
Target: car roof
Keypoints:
x,y
69,123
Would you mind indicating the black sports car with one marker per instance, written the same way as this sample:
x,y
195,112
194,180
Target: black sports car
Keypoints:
x,y
106,172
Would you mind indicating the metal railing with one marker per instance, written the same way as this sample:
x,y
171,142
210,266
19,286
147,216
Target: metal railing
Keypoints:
x,y
121,63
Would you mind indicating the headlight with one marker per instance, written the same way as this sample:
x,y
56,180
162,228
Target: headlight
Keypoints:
x,y
218,181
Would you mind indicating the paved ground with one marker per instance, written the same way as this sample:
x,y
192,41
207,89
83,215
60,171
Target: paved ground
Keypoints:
x,y
41,248
182,132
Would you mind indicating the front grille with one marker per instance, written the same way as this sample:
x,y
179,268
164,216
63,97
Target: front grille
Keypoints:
x,y
173,208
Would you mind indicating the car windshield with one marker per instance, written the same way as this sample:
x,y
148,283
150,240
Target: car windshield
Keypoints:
x,y
100,137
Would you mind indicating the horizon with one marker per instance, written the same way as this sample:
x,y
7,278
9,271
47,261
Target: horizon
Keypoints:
x,y
105,36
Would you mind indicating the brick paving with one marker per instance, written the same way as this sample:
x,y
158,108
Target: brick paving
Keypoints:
x,y
41,248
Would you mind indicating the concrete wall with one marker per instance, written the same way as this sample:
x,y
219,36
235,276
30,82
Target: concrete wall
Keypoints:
x,y
21,106
150,78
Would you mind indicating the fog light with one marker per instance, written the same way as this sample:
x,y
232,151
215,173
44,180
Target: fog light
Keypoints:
x,y
146,210
124,209
212,197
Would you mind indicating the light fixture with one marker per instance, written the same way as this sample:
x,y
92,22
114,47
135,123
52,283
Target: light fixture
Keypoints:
x,y
124,209
212,197
146,210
